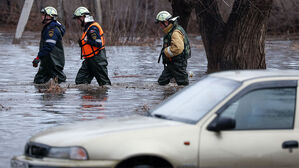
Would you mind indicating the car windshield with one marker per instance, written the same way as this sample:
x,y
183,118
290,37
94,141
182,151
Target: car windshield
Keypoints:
x,y
192,103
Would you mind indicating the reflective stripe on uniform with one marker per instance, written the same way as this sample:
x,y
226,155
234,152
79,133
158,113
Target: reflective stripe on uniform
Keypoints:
x,y
50,41
169,52
98,40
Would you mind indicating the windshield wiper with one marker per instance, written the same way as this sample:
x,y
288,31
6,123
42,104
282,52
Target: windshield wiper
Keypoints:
x,y
159,116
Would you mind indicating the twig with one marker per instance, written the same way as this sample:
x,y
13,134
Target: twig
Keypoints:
x,y
226,3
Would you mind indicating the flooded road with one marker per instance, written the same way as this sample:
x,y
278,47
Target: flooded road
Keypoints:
x,y
133,71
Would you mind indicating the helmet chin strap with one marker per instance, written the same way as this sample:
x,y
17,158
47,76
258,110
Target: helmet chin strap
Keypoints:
x,y
85,19
45,20
82,22
164,24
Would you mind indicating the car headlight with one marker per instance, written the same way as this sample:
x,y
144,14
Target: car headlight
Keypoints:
x,y
75,153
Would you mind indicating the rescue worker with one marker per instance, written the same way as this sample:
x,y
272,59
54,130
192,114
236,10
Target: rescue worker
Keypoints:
x,y
175,51
93,51
51,52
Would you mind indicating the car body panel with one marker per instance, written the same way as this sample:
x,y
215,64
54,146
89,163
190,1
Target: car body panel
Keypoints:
x,y
149,142
111,141
248,148
139,136
80,131
244,75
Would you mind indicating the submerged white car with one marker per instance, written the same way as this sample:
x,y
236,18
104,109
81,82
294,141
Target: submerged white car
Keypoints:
x,y
230,119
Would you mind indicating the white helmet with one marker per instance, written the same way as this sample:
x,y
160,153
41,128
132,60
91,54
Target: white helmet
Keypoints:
x,y
163,16
81,11
49,10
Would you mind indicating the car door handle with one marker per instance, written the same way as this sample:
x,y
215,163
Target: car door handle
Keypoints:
x,y
290,144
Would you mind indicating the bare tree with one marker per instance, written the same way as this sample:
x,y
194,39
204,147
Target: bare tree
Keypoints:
x,y
237,43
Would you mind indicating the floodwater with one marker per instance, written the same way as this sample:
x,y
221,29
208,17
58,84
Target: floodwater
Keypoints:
x,y
133,70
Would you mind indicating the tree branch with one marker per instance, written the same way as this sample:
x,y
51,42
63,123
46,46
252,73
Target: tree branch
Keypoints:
x,y
209,9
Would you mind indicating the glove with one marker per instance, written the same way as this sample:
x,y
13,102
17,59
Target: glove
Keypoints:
x,y
80,43
165,50
35,62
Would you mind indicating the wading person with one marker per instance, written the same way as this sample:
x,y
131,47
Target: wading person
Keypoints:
x,y
93,51
175,51
51,53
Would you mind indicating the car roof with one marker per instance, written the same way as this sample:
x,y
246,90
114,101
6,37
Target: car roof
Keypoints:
x,y
243,75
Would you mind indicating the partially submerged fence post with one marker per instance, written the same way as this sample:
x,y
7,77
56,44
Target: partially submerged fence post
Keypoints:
x,y
23,21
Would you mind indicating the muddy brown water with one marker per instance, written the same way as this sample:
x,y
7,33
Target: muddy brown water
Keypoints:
x,y
25,109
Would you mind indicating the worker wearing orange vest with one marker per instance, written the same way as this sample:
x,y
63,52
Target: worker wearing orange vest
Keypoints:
x,y
93,51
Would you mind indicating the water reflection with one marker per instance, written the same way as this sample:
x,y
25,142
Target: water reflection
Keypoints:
x,y
50,97
93,102
48,100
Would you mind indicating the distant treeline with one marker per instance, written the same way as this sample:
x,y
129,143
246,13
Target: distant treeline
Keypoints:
x,y
125,20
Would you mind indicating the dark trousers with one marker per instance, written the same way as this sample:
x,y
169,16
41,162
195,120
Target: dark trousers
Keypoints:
x,y
47,70
95,66
176,70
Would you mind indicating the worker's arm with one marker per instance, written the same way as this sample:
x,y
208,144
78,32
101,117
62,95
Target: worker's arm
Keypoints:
x,y
51,35
94,37
176,46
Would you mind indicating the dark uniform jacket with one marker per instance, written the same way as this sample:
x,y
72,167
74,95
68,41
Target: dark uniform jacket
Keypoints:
x,y
51,53
51,40
93,35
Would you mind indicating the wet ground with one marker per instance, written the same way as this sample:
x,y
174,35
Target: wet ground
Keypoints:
x,y
25,109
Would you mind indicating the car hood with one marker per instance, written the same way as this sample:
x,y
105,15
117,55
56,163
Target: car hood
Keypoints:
x,y
74,134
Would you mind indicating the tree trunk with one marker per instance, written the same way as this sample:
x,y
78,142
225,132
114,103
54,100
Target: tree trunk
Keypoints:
x,y
60,10
245,35
239,43
211,27
183,9
99,15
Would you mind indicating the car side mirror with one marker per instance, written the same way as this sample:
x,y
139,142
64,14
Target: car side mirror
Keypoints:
x,y
222,123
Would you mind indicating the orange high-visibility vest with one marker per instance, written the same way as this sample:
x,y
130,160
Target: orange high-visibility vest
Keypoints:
x,y
88,50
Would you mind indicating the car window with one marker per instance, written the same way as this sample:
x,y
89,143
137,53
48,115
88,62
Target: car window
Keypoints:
x,y
192,103
272,108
